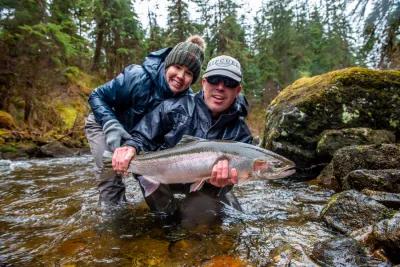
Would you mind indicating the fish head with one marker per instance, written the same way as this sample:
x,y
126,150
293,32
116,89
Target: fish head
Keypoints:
x,y
272,167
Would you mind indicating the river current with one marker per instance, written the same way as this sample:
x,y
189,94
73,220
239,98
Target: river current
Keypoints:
x,y
49,216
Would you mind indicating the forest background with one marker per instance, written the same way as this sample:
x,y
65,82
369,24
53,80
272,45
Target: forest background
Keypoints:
x,y
53,53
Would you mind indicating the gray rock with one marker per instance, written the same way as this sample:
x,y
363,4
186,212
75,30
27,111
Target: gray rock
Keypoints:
x,y
56,150
382,235
379,180
391,200
348,98
351,210
371,157
333,140
339,252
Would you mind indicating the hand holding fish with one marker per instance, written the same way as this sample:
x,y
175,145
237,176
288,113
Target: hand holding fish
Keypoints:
x,y
121,158
220,175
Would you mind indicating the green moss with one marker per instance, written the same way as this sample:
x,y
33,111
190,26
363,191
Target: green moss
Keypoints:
x,y
84,81
349,116
331,201
6,120
394,123
68,114
8,148
311,89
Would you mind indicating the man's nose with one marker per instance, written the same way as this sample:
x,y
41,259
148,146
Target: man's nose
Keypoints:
x,y
220,85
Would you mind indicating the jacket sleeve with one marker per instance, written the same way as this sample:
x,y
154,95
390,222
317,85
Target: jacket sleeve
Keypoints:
x,y
116,93
148,134
243,133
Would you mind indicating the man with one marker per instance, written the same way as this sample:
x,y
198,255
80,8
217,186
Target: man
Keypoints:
x,y
214,113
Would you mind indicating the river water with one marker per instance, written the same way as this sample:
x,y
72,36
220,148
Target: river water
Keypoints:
x,y
49,216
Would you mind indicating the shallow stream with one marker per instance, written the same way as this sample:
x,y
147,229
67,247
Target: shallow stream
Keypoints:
x,y
49,217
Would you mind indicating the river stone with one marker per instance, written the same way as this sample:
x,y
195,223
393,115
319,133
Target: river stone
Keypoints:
x,y
390,200
371,157
56,150
332,140
351,210
339,252
386,234
347,98
379,180
383,235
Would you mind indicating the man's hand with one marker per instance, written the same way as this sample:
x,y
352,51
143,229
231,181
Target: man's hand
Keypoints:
x,y
220,175
121,158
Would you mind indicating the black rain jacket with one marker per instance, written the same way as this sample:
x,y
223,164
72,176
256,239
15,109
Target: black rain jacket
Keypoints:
x,y
133,93
188,115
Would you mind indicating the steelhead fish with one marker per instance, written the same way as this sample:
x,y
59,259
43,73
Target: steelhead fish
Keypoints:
x,y
192,160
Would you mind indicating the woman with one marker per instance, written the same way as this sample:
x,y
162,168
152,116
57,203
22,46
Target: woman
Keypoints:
x,y
118,105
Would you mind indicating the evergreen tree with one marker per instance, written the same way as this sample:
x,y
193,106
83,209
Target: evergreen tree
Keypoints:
x,y
179,23
118,35
156,38
381,31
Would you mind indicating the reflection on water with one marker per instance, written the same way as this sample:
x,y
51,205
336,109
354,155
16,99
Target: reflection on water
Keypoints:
x,y
49,217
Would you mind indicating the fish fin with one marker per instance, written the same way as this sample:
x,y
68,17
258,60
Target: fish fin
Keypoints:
x,y
188,139
148,184
197,185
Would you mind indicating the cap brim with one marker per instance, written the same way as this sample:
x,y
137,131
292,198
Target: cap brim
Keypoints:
x,y
222,72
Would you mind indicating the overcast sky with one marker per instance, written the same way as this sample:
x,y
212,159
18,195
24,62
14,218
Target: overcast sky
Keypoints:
x,y
249,8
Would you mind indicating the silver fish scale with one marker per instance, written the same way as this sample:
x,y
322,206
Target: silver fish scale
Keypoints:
x,y
183,168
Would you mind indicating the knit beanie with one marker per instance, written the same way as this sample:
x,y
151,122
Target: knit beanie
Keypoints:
x,y
189,53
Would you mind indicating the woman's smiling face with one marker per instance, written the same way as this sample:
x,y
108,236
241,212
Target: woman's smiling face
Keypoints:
x,y
179,78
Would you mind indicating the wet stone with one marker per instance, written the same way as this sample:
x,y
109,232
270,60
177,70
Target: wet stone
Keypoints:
x,y
380,180
351,210
339,252
391,200
333,140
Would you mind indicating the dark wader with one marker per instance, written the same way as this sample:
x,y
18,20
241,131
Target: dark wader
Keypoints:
x,y
112,188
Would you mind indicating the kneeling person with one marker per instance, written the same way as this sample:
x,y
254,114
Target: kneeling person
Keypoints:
x,y
216,112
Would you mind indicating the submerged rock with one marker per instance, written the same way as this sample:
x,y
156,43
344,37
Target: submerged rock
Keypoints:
x,y
339,252
351,210
348,98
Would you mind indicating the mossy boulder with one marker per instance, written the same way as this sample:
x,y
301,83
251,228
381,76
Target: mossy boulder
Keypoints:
x,y
347,98
387,180
6,120
368,157
354,159
332,140
351,210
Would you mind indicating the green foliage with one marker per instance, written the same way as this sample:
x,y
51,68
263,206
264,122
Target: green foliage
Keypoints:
x,y
48,45
179,22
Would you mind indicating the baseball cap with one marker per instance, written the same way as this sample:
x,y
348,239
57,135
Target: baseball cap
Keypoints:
x,y
224,66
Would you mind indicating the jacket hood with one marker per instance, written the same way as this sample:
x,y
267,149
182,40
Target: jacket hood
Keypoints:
x,y
154,65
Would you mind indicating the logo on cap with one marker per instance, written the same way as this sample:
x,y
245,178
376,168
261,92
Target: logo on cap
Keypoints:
x,y
223,62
